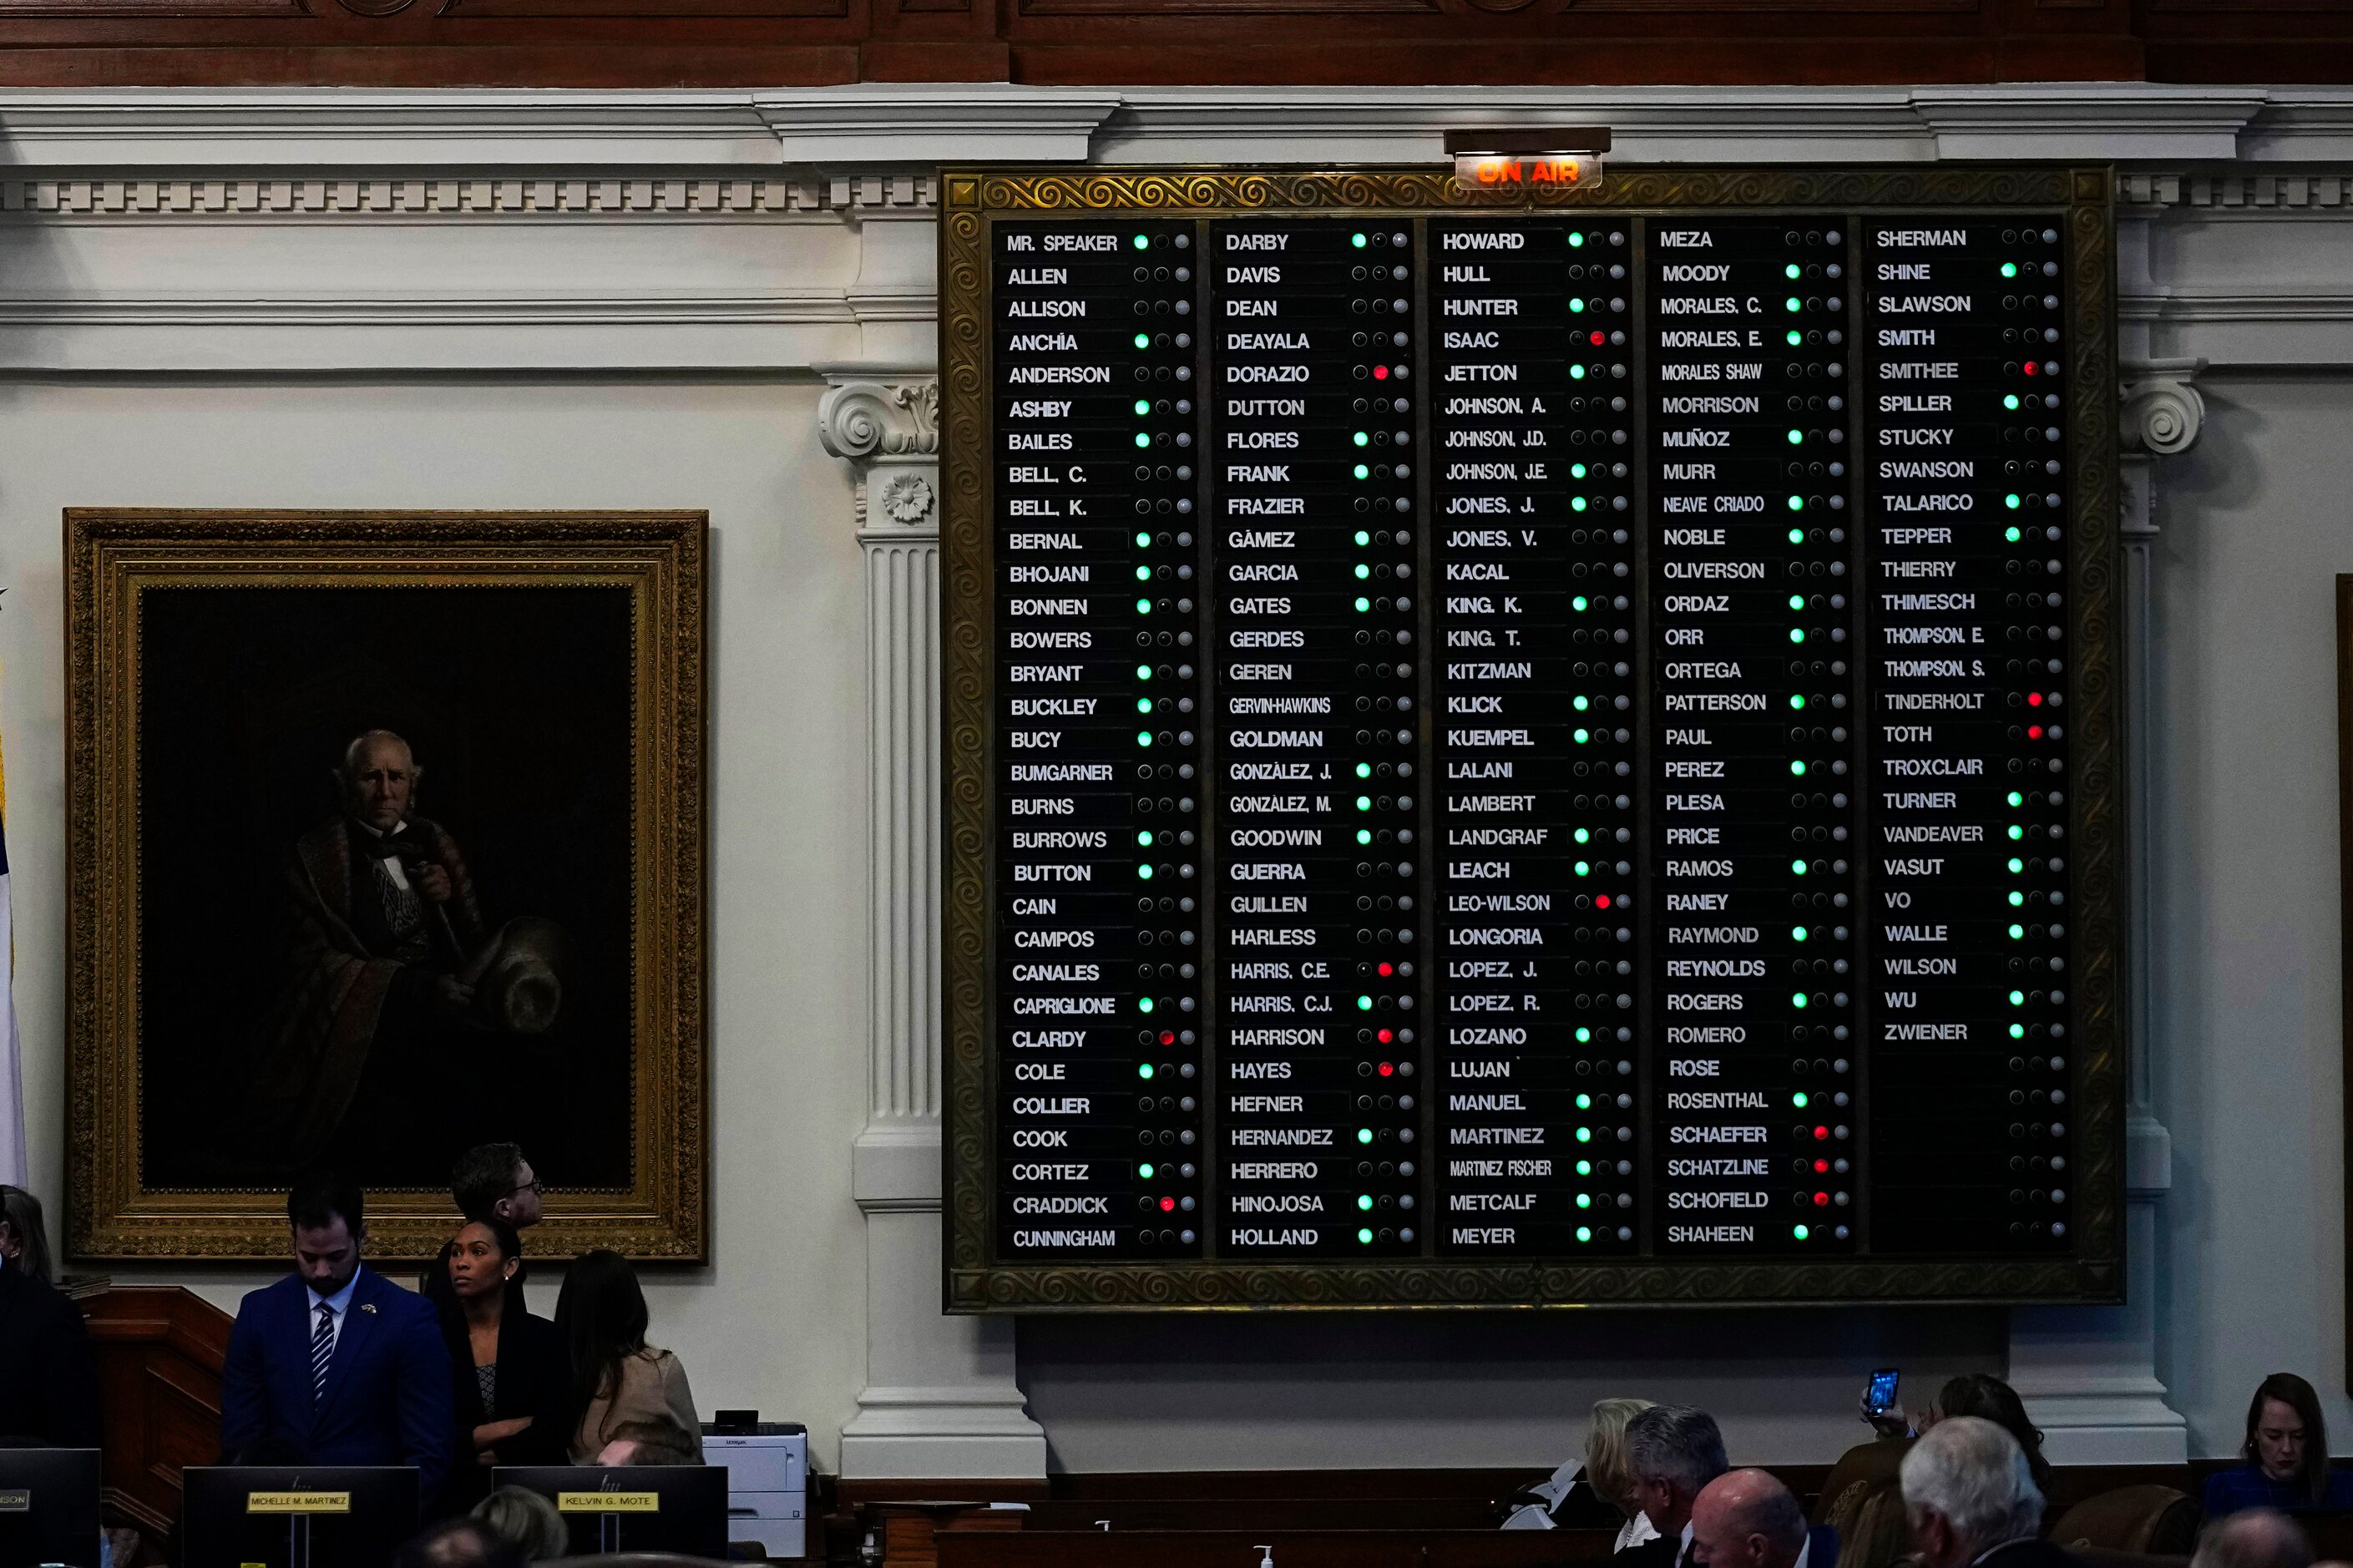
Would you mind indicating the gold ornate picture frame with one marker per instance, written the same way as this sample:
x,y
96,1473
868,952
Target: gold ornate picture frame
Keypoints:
x,y
253,990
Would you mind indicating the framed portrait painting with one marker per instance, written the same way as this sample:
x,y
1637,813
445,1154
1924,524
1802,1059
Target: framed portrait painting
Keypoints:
x,y
385,839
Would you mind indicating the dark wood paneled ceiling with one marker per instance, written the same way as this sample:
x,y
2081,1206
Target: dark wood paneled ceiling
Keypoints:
x,y
735,43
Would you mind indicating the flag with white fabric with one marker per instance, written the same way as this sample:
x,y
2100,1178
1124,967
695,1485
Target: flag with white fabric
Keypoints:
x,y
12,1169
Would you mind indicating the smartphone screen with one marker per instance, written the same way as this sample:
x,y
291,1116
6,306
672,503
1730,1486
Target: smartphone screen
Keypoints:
x,y
1880,1394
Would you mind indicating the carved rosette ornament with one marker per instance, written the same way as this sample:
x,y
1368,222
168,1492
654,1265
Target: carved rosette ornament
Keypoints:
x,y
888,432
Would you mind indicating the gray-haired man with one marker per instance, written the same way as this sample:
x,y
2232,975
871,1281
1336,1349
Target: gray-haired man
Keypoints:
x,y
1673,1452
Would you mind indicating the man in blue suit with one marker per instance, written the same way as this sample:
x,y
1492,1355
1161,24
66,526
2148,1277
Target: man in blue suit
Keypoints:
x,y
333,1364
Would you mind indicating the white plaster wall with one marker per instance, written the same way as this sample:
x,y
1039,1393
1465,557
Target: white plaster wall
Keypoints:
x,y
777,1322
2248,1032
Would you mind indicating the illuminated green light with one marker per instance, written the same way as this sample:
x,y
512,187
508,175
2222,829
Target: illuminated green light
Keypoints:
x,y
1363,571
1577,503
1791,302
2011,401
1799,1100
1144,340
1585,868
1363,472
1584,1232
1144,705
1145,1070
1797,438
1576,306
1796,338
1143,839
1798,770
1362,439
1797,504
2015,798
1144,1005
2016,865
1142,405
1582,735
1580,703
2009,270
1143,672
1793,271
1585,1200
1575,239
1802,1233
1584,1037
2017,899
1798,932
1585,1167
1583,836
1357,240
1363,836
1143,574
1364,1236
1142,607
1798,868
1583,1102
2018,1031
1585,1134
1796,634
1578,604
1143,737
1146,1172
1362,605
1363,803
1364,770
1796,701
1364,1200
2011,533
1364,1135
1364,1004
1797,601
2016,831
1796,999
1363,538
1796,536
2018,998
2011,501
1143,437
1142,243
2016,933
1576,470
1576,373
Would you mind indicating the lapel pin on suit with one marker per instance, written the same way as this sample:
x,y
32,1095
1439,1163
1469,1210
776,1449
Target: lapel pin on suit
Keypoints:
x,y
368,1307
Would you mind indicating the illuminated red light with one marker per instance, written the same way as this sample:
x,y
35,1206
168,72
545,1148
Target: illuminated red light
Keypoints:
x,y
1821,1132
1596,339
2034,699
1387,1069
1380,373
2032,369
1388,970
2034,731
1167,1204
1822,1200
1603,902
1822,1167
1167,1037
1385,1036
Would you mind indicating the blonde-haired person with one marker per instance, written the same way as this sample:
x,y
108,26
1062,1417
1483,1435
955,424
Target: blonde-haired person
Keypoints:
x,y
527,1522
1609,1471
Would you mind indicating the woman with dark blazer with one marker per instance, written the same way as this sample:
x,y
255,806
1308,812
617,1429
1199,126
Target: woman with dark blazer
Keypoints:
x,y
511,1375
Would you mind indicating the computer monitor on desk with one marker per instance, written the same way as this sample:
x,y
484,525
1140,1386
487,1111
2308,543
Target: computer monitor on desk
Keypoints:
x,y
637,1507
48,1506
304,1516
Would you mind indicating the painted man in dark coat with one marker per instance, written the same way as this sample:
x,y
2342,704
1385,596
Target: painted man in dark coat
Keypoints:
x,y
372,1040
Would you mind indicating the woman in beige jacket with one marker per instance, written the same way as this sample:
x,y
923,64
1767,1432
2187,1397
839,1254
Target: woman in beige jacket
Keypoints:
x,y
634,1404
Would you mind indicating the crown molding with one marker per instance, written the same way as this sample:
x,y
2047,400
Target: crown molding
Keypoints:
x,y
897,124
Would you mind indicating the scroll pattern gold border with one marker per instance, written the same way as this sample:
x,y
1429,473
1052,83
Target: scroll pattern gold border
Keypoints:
x,y
976,1282
113,557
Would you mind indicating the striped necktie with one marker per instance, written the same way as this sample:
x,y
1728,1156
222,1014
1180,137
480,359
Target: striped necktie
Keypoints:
x,y
323,1351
